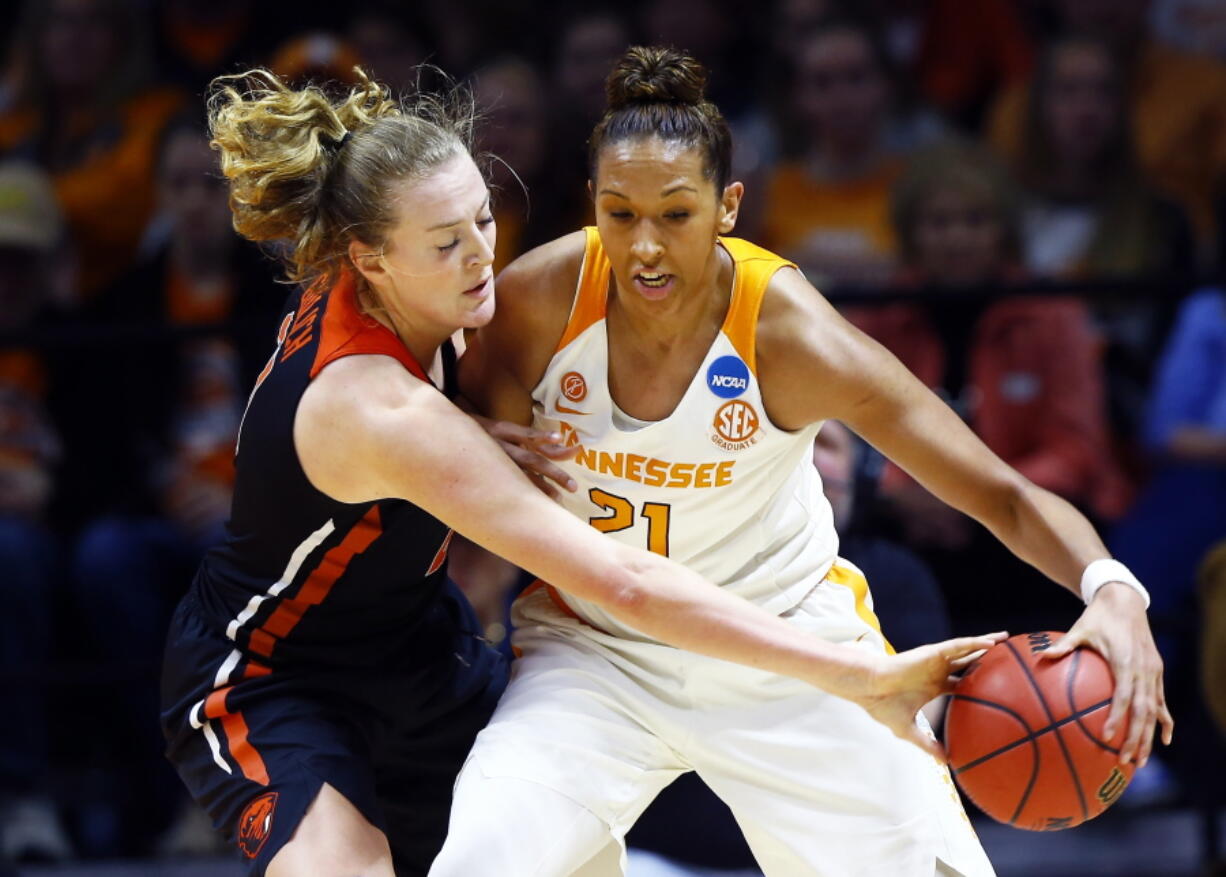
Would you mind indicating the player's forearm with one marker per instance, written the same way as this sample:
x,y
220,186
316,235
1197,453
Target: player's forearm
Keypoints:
x,y
675,605
1047,532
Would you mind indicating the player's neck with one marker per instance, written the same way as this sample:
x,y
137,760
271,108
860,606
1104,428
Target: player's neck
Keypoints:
x,y
420,340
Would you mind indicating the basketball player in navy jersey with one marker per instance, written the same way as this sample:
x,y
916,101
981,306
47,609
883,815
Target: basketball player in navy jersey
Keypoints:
x,y
323,681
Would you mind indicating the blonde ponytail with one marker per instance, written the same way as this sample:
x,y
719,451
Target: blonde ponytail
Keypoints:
x,y
314,172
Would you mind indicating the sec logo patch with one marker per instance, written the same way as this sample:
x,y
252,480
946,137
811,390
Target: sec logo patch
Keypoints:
x,y
736,425
574,387
728,377
255,824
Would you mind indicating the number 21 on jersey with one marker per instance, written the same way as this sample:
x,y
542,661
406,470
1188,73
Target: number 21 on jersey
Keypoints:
x,y
621,517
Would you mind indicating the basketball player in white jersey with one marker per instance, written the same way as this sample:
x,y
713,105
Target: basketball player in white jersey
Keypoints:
x,y
691,372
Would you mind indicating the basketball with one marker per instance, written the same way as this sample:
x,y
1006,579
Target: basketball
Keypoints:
x,y
1024,736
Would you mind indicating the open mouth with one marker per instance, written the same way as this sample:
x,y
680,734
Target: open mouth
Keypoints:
x,y
652,279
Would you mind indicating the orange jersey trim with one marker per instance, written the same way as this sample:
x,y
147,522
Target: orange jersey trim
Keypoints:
x,y
441,554
858,584
754,269
556,597
318,584
591,292
346,331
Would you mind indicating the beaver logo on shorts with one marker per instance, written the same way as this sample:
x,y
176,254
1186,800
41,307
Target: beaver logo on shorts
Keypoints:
x,y
255,824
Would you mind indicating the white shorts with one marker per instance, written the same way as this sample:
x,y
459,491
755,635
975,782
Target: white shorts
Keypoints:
x,y
817,785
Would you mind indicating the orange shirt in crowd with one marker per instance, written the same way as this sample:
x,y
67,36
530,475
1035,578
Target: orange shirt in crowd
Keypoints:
x,y
108,195
844,219
1178,125
1036,390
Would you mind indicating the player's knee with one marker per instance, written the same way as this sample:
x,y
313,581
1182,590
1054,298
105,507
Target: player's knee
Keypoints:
x,y
333,840
333,854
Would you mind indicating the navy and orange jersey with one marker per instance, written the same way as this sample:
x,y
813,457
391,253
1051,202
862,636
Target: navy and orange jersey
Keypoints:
x,y
302,579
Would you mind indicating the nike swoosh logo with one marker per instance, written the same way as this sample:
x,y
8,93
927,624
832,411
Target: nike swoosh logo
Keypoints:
x,y
564,410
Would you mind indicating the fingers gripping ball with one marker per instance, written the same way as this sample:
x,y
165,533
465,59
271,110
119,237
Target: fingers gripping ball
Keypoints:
x,y
1024,736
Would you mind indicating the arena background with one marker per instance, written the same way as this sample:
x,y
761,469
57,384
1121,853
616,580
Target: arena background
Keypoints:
x,y
1066,158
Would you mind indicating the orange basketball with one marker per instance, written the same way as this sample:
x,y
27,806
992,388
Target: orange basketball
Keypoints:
x,y
1024,736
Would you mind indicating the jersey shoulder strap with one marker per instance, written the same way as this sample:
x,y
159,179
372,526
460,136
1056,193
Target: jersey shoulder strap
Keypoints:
x,y
346,331
591,291
754,269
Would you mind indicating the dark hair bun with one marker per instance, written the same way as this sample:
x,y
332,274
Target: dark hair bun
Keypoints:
x,y
653,74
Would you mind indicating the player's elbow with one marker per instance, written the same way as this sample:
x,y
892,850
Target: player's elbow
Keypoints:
x,y
1018,501
624,589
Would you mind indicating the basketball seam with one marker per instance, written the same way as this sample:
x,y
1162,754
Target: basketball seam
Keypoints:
x,y
1038,755
1030,737
1072,705
1068,759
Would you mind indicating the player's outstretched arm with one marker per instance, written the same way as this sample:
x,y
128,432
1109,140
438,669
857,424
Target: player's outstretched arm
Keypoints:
x,y
365,429
506,357
805,343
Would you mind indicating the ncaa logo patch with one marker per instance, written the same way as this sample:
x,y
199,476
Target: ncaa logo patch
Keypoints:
x,y
255,824
574,387
736,425
728,377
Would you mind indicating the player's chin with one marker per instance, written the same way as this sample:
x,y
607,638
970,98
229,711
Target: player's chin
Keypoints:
x,y
479,314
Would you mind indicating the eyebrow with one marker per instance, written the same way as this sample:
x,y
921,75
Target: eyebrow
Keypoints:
x,y
484,205
669,191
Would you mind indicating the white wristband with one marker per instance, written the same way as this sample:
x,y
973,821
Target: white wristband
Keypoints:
x,y
1104,571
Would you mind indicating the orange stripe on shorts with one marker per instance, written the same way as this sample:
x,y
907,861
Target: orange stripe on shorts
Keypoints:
x,y
235,727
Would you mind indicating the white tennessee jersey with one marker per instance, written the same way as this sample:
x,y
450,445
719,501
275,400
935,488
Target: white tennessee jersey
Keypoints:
x,y
715,486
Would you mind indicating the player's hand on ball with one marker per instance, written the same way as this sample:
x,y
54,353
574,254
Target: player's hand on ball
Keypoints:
x,y
903,683
533,450
1115,626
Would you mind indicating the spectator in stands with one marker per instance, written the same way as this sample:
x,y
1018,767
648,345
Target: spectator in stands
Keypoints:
x,y
514,139
1025,372
162,486
197,273
1177,105
195,40
31,238
828,208
391,42
1182,511
1178,519
711,31
316,55
1089,212
587,42
84,113
959,54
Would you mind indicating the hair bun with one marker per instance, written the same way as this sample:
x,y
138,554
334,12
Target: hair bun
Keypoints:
x,y
654,74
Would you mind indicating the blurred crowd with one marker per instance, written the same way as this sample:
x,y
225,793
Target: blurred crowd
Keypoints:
x,y
1024,200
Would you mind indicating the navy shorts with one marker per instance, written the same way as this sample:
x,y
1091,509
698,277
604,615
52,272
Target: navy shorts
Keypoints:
x,y
390,739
